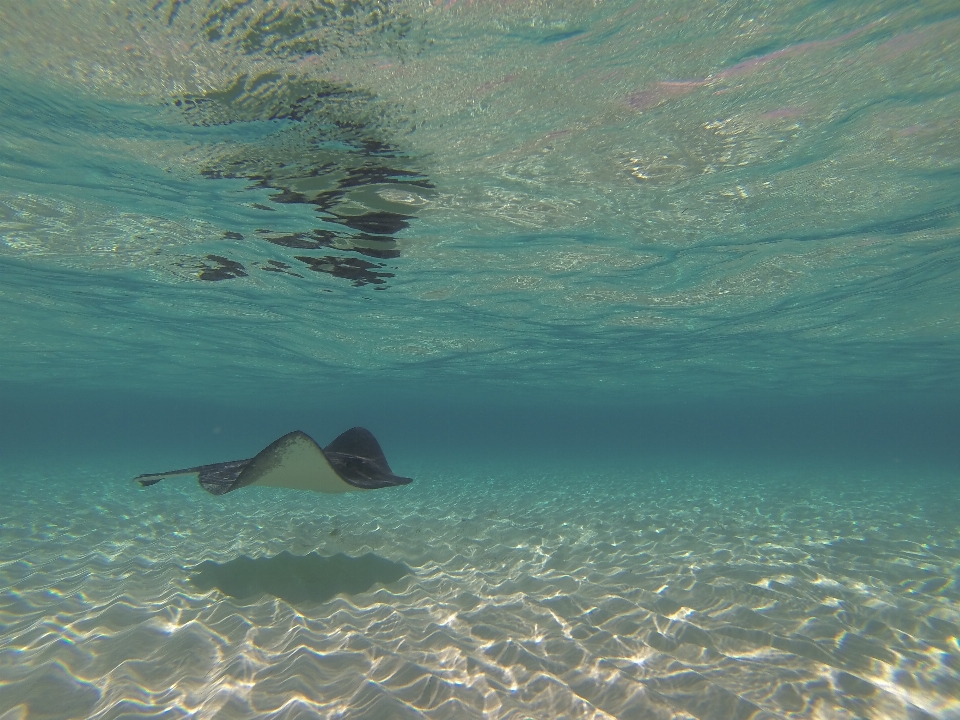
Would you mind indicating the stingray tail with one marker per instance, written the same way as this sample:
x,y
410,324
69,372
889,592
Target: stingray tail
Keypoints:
x,y
148,479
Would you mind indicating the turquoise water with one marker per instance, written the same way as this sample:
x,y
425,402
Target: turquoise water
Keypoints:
x,y
657,303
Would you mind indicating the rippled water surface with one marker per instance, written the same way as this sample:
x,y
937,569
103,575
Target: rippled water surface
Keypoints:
x,y
766,193
658,302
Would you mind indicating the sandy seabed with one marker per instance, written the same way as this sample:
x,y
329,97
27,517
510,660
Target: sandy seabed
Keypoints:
x,y
478,594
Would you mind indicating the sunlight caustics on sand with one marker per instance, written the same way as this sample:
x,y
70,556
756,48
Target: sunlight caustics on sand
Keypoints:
x,y
664,598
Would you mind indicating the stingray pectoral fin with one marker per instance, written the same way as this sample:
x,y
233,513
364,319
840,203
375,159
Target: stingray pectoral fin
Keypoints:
x,y
294,461
357,457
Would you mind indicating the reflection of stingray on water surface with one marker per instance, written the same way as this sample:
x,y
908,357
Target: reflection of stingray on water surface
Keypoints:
x,y
334,146
331,154
293,578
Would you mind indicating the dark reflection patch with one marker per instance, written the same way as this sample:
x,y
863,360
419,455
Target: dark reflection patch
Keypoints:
x,y
330,155
382,223
299,241
360,272
221,269
377,246
279,267
333,146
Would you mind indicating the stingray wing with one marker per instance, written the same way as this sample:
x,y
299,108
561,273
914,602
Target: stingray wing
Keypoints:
x,y
293,461
357,457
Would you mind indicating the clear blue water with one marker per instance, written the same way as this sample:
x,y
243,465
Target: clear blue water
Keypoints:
x,y
588,271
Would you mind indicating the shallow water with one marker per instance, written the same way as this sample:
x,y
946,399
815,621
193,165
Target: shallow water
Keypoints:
x,y
656,302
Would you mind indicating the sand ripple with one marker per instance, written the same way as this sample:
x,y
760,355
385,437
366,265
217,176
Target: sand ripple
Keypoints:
x,y
469,597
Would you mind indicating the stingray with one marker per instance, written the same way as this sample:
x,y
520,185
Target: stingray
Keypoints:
x,y
354,461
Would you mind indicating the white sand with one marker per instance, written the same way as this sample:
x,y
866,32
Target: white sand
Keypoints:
x,y
526,597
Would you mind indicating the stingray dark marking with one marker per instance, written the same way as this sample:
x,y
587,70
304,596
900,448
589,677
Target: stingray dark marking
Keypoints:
x,y
354,461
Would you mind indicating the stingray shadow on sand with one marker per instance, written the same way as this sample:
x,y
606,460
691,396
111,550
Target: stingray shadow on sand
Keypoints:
x,y
297,578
